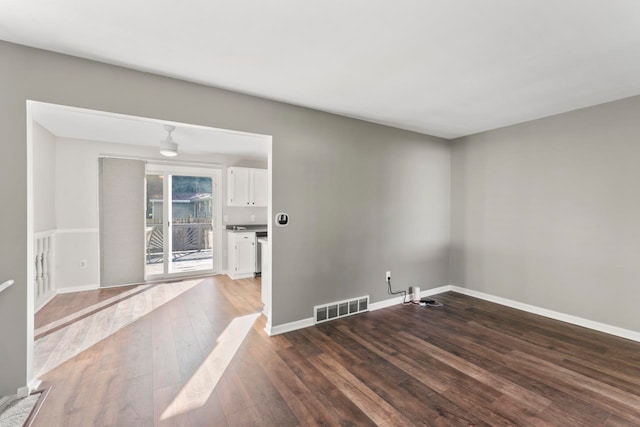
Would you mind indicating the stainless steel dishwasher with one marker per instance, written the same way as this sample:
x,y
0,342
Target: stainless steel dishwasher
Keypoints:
x,y
259,234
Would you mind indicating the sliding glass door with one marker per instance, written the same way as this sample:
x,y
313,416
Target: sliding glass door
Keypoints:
x,y
180,220
154,225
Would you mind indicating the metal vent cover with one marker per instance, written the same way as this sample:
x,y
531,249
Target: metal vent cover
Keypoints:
x,y
335,310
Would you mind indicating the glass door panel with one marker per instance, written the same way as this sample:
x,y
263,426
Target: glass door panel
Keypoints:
x,y
191,247
154,225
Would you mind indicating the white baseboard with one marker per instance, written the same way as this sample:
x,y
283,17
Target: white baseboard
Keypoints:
x,y
241,276
46,301
398,300
568,318
34,384
288,327
305,323
69,289
435,291
82,288
385,303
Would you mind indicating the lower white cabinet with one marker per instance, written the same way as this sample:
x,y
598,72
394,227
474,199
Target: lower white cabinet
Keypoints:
x,y
241,254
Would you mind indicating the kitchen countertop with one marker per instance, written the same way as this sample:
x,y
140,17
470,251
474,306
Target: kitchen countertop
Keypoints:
x,y
240,228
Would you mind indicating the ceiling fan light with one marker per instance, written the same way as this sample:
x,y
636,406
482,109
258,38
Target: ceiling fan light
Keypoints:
x,y
169,147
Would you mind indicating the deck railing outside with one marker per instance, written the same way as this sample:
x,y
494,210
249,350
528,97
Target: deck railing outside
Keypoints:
x,y
186,238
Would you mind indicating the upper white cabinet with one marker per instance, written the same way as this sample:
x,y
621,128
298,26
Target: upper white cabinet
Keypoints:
x,y
238,186
258,191
246,187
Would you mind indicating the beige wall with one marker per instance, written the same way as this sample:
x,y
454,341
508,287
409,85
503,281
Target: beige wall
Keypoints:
x,y
548,213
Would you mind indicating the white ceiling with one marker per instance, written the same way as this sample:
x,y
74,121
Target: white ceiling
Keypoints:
x,y
442,67
67,122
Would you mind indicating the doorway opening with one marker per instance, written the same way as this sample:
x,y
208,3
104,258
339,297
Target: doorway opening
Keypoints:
x,y
182,219
189,199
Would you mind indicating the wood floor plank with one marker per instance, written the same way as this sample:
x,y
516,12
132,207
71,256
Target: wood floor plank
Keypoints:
x,y
144,357
328,394
423,372
376,408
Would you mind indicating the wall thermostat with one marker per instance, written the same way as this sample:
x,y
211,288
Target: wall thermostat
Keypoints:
x,y
282,219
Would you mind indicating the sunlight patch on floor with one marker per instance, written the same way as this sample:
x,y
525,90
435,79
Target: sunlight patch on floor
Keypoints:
x,y
54,349
198,389
72,317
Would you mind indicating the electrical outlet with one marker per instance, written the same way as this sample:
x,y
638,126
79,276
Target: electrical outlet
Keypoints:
x,y
83,263
253,218
388,276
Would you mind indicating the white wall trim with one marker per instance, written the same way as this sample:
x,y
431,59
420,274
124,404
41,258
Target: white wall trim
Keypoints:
x,y
385,303
305,323
240,276
70,289
435,291
288,327
77,230
34,384
44,233
6,285
398,300
568,318
47,300
82,288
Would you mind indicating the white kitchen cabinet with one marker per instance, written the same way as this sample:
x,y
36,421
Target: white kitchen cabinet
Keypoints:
x,y
246,187
241,254
259,188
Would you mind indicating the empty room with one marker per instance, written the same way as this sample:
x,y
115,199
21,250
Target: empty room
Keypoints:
x,y
319,213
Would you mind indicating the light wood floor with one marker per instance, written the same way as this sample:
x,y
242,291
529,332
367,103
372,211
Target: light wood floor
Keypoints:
x,y
468,363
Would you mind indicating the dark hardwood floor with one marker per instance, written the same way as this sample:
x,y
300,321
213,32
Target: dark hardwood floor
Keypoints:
x,y
470,362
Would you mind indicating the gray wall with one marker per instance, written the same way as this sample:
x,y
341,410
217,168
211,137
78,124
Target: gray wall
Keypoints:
x,y
44,179
363,198
548,213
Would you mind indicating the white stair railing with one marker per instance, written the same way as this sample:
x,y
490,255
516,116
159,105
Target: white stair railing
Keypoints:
x,y
44,278
5,285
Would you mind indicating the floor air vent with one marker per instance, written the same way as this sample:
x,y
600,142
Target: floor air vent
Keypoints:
x,y
335,310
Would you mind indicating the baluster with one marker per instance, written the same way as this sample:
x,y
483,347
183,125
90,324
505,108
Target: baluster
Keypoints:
x,y
41,268
38,284
45,265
